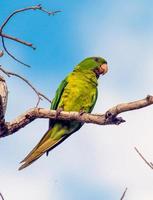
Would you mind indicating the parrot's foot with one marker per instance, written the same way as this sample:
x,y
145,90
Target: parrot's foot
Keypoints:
x,y
58,111
112,119
81,112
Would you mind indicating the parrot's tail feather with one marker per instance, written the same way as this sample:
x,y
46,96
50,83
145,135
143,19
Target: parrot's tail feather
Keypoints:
x,y
44,138
38,152
26,164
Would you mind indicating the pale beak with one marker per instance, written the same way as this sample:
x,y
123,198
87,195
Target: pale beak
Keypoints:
x,y
103,69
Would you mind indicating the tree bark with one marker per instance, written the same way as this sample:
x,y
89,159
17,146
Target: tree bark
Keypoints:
x,y
3,94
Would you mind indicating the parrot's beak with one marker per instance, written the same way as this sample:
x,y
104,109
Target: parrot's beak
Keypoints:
x,y
103,69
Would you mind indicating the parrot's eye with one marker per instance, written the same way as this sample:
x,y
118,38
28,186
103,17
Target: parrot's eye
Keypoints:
x,y
96,59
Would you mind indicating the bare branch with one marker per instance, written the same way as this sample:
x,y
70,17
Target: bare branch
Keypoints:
x,y
39,94
17,40
2,35
3,127
48,12
37,7
11,55
101,119
124,107
3,96
123,195
1,196
150,164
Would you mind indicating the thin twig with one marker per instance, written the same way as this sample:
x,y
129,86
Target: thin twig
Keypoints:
x,y
18,40
39,94
143,158
37,7
2,35
11,55
1,196
48,12
123,195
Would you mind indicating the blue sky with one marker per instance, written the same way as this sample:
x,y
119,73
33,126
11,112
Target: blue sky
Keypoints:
x,y
96,162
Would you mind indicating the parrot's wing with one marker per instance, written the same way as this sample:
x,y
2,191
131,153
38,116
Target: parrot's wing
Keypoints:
x,y
58,94
51,122
94,99
57,98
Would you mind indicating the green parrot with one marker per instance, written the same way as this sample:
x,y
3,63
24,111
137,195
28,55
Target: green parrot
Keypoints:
x,y
77,92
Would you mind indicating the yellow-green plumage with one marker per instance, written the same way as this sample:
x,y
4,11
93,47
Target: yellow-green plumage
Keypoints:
x,y
77,92
80,92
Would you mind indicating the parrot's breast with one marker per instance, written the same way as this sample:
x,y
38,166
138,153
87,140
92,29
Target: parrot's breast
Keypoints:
x,y
78,93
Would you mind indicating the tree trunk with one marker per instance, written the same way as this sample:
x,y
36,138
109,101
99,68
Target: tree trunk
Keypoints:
x,y
3,94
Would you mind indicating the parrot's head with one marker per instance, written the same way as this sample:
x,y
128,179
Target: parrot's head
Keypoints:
x,y
96,64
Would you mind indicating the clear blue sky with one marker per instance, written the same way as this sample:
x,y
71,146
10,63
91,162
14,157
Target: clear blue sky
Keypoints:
x,y
97,162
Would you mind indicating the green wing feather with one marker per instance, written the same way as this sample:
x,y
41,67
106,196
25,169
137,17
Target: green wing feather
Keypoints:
x,y
58,94
94,100
57,98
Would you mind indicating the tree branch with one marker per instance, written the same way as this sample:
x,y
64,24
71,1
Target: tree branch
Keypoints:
x,y
1,196
2,35
3,96
131,105
37,7
150,164
17,40
109,118
123,195
11,55
39,94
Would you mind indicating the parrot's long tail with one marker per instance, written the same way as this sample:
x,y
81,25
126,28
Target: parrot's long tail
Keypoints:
x,y
46,144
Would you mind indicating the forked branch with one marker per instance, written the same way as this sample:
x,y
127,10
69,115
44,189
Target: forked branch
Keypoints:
x,y
3,35
39,94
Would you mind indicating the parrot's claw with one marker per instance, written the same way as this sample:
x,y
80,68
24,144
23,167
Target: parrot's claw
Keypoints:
x,y
81,112
58,111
